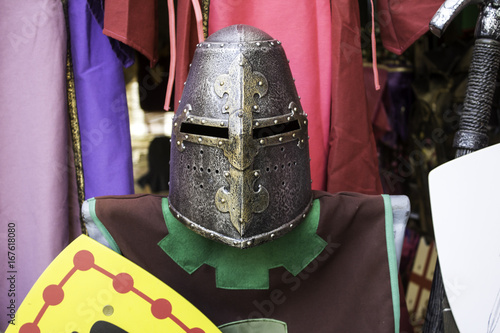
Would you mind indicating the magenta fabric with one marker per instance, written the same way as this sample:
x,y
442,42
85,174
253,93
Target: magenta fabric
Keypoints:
x,y
304,29
37,182
102,106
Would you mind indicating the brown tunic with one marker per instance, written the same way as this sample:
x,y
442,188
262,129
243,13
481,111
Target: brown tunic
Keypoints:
x,y
346,288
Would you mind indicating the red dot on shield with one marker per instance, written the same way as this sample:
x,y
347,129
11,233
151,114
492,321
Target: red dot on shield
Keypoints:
x,y
29,328
123,283
53,294
83,260
161,308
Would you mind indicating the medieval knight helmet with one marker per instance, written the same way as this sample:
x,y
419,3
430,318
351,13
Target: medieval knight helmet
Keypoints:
x,y
239,169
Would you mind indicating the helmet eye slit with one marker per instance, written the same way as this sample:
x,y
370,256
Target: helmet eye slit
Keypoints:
x,y
216,132
264,132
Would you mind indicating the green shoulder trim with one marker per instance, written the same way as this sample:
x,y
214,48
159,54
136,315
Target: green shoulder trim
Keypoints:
x,y
243,269
260,325
101,227
393,262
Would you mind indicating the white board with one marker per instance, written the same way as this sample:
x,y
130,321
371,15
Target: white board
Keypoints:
x,y
465,201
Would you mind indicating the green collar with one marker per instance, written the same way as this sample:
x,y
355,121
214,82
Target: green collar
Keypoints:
x,y
248,268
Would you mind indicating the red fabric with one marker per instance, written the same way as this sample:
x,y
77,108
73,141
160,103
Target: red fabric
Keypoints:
x,y
352,160
135,23
187,38
376,108
402,22
304,30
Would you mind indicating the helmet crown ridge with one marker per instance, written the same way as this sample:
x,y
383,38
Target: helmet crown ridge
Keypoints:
x,y
240,157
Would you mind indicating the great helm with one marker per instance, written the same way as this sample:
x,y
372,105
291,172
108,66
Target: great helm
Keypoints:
x,y
239,169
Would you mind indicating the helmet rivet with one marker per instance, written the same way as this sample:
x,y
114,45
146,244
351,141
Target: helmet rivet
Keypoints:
x,y
260,83
256,174
258,43
240,45
186,136
185,110
257,123
273,235
179,101
272,44
278,42
304,216
226,107
293,79
222,45
281,139
190,65
235,243
249,243
305,122
299,97
177,216
295,109
275,121
240,220
294,135
240,114
288,118
221,83
220,143
291,225
255,107
212,235
203,121
305,114
226,173
208,45
222,123
184,83
223,200
302,140
175,124
178,143
261,142
200,139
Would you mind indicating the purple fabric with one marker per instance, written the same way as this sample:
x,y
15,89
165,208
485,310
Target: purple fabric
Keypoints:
x,y
102,106
398,100
37,183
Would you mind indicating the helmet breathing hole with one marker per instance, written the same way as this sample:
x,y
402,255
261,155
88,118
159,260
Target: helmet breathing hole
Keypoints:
x,y
194,168
188,167
275,167
289,164
282,166
268,169
283,183
208,170
201,152
282,148
201,185
201,169
216,171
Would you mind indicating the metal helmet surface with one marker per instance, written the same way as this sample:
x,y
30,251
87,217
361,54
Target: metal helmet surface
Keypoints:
x,y
239,169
